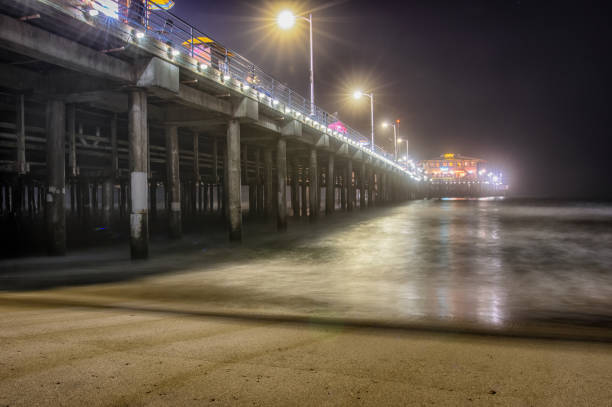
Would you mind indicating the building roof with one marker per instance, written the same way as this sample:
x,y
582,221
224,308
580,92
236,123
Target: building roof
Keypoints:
x,y
453,156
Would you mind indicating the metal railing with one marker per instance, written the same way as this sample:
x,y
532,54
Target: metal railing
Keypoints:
x,y
147,21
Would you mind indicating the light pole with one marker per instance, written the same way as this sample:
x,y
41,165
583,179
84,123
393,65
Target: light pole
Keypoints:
x,y
286,20
358,94
395,133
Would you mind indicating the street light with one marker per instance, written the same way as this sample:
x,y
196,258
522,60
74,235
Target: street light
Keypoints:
x,y
286,20
395,132
357,95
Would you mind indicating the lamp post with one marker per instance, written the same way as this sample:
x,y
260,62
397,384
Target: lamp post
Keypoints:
x,y
395,133
358,94
286,20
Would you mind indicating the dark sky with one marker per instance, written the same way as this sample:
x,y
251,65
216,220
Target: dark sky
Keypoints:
x,y
523,84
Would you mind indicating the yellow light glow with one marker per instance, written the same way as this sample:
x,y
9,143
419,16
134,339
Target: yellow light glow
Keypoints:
x,y
285,19
357,94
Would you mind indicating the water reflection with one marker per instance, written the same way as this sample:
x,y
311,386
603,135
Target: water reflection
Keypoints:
x,y
489,262
492,263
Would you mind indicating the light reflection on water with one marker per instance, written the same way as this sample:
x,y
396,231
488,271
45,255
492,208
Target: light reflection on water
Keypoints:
x,y
489,262
485,261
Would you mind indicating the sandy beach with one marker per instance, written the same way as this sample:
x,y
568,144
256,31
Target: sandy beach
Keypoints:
x,y
61,347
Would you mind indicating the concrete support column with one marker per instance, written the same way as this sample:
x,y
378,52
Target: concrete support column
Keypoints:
x,y
295,189
72,156
196,173
303,202
173,183
385,187
20,133
281,170
251,183
389,187
56,184
233,183
375,187
215,174
225,206
362,186
380,186
343,190
268,183
370,188
20,189
350,192
254,186
203,197
138,138
330,188
108,186
258,180
314,185
107,202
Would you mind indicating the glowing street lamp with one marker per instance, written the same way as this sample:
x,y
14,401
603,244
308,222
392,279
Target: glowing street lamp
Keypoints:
x,y
286,20
395,132
357,95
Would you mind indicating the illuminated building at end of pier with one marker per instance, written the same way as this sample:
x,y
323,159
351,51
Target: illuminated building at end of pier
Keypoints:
x,y
451,167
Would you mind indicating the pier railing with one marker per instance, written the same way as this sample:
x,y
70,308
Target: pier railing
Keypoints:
x,y
148,21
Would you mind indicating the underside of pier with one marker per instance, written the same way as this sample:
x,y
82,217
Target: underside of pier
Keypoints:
x,y
105,136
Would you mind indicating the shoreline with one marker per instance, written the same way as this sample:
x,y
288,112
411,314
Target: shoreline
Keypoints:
x,y
536,331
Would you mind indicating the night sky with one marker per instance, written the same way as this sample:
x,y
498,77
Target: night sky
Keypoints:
x,y
523,84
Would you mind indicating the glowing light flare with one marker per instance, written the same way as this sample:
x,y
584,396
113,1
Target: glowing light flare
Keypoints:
x,y
285,19
357,94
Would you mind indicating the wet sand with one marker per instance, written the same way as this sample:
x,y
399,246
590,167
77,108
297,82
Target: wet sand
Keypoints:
x,y
80,355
